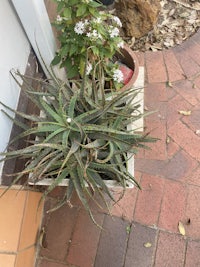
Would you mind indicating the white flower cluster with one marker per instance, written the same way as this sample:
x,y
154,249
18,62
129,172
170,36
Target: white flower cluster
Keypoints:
x,y
120,44
59,18
94,35
88,68
113,31
118,76
117,21
97,20
80,27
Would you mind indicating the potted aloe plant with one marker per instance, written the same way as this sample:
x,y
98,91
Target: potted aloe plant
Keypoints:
x,y
89,34
80,135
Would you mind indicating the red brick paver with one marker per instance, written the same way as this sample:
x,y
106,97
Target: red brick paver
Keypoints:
x,y
193,212
192,254
156,70
58,233
188,63
141,246
149,200
170,250
47,263
174,70
111,253
143,231
83,231
173,205
185,138
121,209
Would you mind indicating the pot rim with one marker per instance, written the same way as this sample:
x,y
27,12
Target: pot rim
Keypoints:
x,y
135,61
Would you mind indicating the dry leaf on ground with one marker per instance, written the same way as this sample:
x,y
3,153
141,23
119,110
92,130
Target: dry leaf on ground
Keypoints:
x,y
147,245
181,228
197,132
185,112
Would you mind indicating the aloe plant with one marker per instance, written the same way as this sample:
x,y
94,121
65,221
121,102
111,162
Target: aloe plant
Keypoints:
x,y
80,134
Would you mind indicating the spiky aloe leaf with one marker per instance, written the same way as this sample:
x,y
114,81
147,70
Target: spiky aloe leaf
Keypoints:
x,y
55,183
65,137
109,156
81,192
71,107
32,118
74,147
100,188
95,144
97,180
16,122
45,165
89,116
54,134
70,190
36,160
48,110
20,152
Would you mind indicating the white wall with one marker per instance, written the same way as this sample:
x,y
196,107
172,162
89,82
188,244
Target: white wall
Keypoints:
x,y
14,52
35,20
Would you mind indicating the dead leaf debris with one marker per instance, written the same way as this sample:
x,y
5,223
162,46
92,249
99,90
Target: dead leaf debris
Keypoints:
x,y
185,112
148,245
178,20
181,228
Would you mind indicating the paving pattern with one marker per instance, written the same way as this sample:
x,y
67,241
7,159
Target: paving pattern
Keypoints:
x,y
143,230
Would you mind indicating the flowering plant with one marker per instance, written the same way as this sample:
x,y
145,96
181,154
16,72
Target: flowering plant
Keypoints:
x,y
89,38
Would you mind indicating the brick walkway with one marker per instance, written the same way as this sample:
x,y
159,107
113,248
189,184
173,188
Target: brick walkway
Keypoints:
x,y
169,175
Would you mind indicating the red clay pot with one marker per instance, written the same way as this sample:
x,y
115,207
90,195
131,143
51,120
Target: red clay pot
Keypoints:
x,y
129,58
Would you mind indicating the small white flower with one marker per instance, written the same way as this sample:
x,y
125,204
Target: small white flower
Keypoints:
x,y
118,76
69,120
86,22
120,44
114,31
79,28
98,20
86,1
100,36
88,68
117,21
94,35
58,18
89,34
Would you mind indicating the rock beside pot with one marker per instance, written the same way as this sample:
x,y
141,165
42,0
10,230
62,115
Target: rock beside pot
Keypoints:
x,y
138,16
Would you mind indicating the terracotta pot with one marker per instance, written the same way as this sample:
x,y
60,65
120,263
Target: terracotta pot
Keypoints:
x,y
129,58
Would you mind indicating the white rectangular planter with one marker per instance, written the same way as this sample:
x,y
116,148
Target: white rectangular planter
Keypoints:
x,y
136,125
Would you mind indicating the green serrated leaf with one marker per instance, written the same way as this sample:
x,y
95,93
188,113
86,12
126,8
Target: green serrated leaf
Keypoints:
x,y
67,12
82,8
56,60
55,182
71,108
